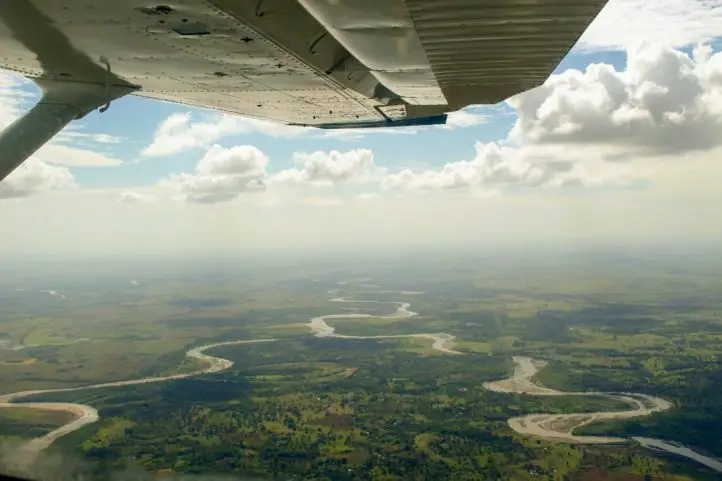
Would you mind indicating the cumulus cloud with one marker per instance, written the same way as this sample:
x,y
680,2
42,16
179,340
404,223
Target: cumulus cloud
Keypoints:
x,y
321,202
677,23
35,176
181,132
73,135
270,203
330,168
492,165
497,167
464,118
55,153
665,102
130,197
366,196
12,96
221,175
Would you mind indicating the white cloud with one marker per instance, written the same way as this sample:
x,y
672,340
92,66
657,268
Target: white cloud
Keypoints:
x,y
11,96
130,197
321,201
332,168
366,196
245,160
665,102
677,23
221,175
492,165
72,134
464,118
33,177
74,157
497,167
668,213
565,132
180,132
270,203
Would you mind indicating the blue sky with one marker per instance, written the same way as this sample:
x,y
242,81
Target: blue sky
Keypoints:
x,y
133,120
618,145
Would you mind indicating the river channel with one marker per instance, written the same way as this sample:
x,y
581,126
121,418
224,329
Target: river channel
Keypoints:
x,y
552,427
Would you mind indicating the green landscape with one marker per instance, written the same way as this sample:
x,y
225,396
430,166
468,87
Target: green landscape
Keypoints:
x,y
308,407
19,424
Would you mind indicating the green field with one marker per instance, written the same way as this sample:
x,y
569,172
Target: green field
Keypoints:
x,y
388,408
21,424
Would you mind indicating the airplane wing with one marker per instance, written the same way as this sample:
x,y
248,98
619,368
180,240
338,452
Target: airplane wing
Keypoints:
x,y
322,63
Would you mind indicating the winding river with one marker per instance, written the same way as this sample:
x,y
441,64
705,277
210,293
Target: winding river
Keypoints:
x,y
560,427
553,427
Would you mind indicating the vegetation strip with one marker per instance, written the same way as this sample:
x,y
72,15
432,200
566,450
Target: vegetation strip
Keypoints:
x,y
85,414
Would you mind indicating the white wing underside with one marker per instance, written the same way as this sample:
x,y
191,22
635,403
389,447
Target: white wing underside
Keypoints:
x,y
309,62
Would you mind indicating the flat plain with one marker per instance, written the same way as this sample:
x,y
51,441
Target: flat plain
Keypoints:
x,y
329,408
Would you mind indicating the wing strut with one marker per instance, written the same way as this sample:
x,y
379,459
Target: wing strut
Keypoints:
x,y
61,103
